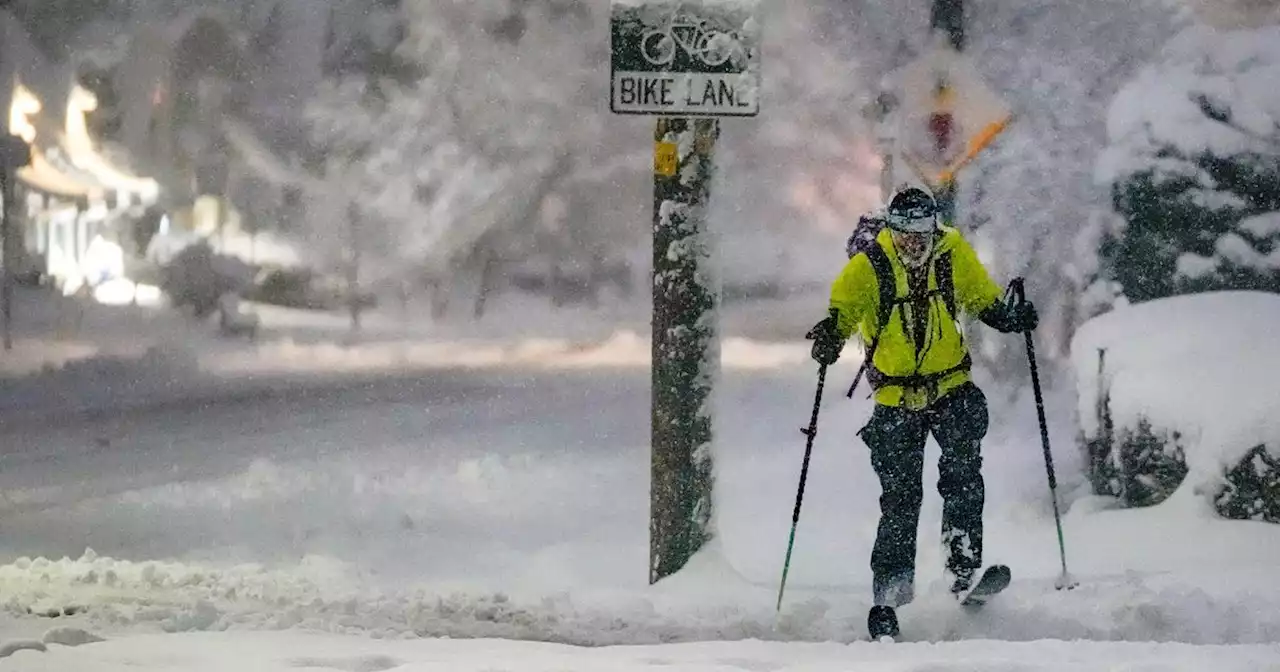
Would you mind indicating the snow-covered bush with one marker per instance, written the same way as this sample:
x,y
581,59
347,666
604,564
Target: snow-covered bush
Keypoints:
x,y
1252,490
198,277
1194,166
1173,395
1141,465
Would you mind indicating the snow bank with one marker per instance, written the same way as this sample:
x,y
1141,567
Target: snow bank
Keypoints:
x,y
622,349
708,601
85,380
1202,365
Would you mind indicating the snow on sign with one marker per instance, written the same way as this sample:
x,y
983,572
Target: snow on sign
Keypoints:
x,y
685,58
948,114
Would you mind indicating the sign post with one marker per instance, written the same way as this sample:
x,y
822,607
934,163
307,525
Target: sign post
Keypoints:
x,y
948,116
687,63
14,154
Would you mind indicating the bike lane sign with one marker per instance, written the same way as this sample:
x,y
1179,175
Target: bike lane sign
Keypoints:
x,y
685,58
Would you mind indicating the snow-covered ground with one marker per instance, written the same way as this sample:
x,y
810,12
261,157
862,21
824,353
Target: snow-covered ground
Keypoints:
x,y
290,652
315,527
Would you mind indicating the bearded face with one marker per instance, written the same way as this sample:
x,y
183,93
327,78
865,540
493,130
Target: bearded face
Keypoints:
x,y
914,249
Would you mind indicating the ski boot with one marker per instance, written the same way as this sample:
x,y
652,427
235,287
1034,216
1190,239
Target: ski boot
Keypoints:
x,y
961,582
882,622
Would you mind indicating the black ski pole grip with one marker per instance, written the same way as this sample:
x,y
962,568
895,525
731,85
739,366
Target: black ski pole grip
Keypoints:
x,y
1018,287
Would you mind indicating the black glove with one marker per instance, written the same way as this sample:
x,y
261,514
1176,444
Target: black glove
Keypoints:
x,y
827,343
1024,316
1016,316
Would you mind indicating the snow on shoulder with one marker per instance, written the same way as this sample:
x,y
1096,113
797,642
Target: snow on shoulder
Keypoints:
x,y
1202,365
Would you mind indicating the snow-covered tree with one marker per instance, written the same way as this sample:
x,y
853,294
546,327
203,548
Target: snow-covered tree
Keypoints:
x,y
467,162
1194,165
794,179
1030,199
514,93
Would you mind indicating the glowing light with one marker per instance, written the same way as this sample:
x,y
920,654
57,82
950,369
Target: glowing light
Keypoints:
x,y
24,104
80,146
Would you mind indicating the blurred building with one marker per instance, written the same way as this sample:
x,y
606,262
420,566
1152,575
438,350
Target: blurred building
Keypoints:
x,y
71,195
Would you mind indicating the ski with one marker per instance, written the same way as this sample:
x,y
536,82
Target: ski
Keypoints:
x,y
995,579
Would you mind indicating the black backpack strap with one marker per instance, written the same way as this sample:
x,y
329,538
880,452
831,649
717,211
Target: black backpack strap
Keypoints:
x,y
886,281
888,286
946,282
918,380
946,286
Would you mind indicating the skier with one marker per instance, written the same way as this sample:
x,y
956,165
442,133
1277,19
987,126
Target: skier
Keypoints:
x,y
901,294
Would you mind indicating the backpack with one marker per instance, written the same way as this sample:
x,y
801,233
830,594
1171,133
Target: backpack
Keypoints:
x,y
864,234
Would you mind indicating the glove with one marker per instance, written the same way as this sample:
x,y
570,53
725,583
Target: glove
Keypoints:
x,y
1011,317
827,343
1024,317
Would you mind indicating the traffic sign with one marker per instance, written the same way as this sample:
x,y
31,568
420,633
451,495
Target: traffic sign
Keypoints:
x,y
948,114
685,58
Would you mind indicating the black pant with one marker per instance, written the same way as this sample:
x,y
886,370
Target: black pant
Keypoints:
x,y
896,437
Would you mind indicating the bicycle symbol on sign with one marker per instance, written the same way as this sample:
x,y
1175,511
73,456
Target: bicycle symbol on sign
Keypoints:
x,y
712,47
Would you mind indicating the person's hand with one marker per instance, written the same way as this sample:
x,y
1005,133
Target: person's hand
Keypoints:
x,y
1012,317
827,343
1023,316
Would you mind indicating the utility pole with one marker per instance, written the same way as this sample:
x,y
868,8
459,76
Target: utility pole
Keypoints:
x,y
353,265
687,81
947,19
14,154
685,343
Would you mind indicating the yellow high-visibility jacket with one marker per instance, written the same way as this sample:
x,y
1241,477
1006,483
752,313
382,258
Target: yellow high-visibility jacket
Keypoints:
x,y
906,371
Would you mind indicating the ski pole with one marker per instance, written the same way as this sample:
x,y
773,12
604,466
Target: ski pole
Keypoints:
x,y
866,361
811,432
1065,580
856,379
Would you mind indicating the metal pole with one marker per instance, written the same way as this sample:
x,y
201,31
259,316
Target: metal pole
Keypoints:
x,y
353,268
947,18
7,178
685,345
